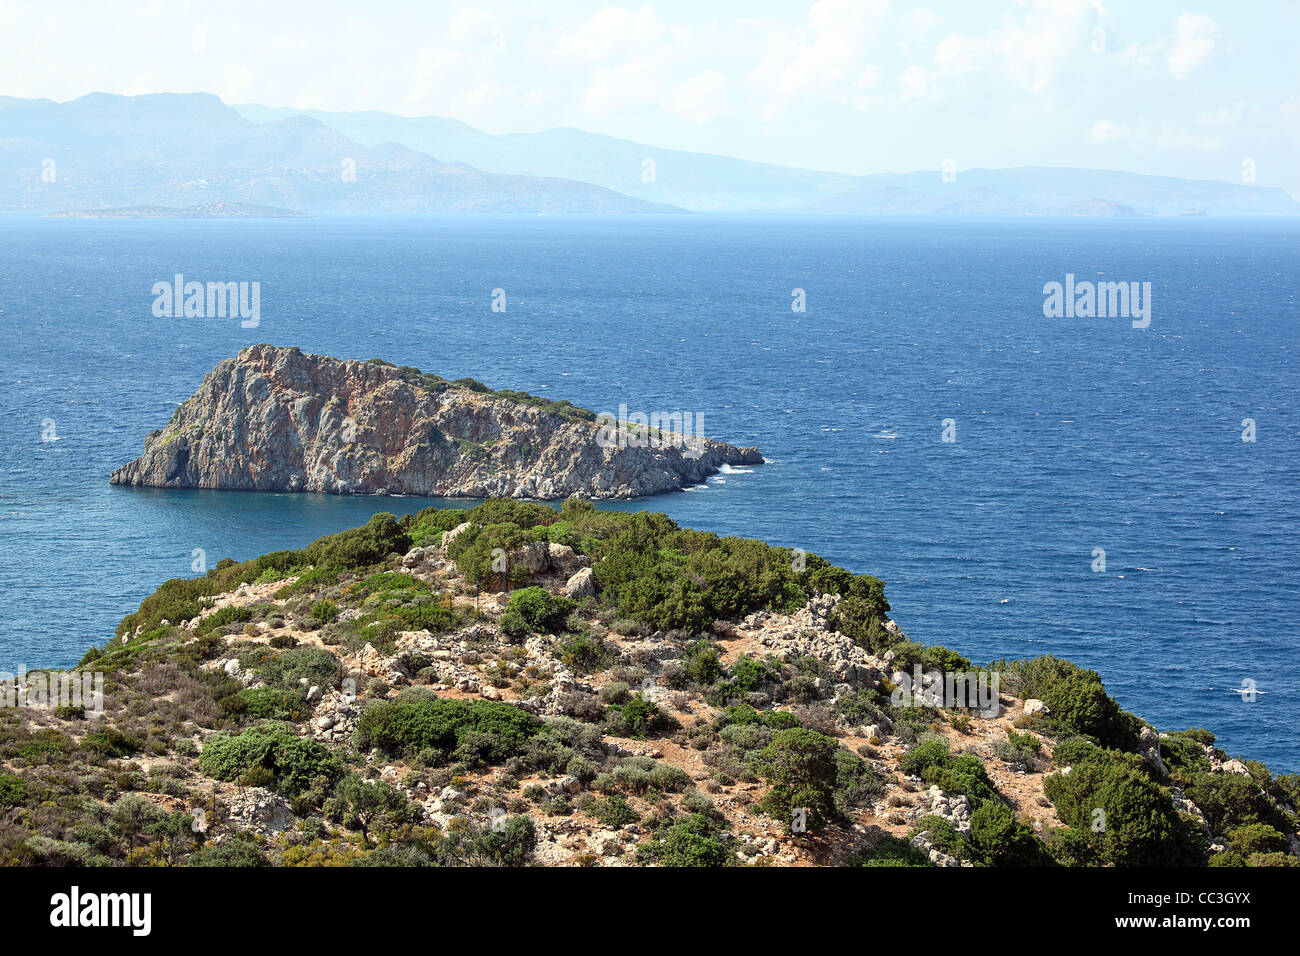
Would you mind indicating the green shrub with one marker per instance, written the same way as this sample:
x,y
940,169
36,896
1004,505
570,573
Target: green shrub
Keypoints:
x,y
890,851
225,616
582,652
293,764
800,766
639,717
703,663
287,669
696,841
1077,699
111,742
1184,753
964,773
510,843
540,610
267,703
239,851
480,730
13,790
997,838
614,812
322,612
359,547
426,527
1230,800
367,806
1125,817
923,756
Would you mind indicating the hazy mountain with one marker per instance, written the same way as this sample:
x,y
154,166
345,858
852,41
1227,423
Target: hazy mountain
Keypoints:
x,y
708,182
699,181
191,149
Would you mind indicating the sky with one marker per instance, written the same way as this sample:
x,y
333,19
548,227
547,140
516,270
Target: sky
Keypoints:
x,y
1195,88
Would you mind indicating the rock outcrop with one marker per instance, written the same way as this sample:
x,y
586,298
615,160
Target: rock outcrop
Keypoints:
x,y
277,419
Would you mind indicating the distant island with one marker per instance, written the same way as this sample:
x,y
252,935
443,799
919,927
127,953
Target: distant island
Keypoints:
x,y
212,210
278,419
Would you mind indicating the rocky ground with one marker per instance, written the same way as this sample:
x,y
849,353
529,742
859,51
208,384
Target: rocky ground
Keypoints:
x,y
638,746
479,661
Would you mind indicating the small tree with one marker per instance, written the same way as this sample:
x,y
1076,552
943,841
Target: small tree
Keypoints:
x,y
800,765
360,804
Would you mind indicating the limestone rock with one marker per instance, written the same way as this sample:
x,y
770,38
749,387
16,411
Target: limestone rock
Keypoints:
x,y
581,585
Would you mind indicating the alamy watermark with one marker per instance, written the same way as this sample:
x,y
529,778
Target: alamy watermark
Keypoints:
x,y
215,300
965,690
47,690
682,430
1102,300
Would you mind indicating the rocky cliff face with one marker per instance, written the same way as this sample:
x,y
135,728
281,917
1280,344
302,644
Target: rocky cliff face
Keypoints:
x,y
277,419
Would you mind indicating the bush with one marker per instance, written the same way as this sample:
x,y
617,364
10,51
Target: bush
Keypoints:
x,y
639,717
317,666
965,773
359,547
426,527
890,851
540,610
1125,817
1077,699
1231,800
582,652
614,812
291,763
510,843
239,851
489,731
267,703
800,766
364,806
322,612
696,841
111,742
997,838
13,790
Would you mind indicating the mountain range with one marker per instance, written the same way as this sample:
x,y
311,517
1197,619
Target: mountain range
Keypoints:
x,y
191,149
102,151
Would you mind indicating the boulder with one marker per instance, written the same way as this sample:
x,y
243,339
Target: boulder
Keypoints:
x,y
1035,706
562,559
581,585
449,536
535,555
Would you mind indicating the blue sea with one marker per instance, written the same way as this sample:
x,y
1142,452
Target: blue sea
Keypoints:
x,y
1071,434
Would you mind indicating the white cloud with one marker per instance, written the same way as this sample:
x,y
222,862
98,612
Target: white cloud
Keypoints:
x,y
478,29
916,84
698,99
1227,116
869,80
458,74
1194,35
615,31
627,54
1107,131
1029,52
1143,137
914,28
818,57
